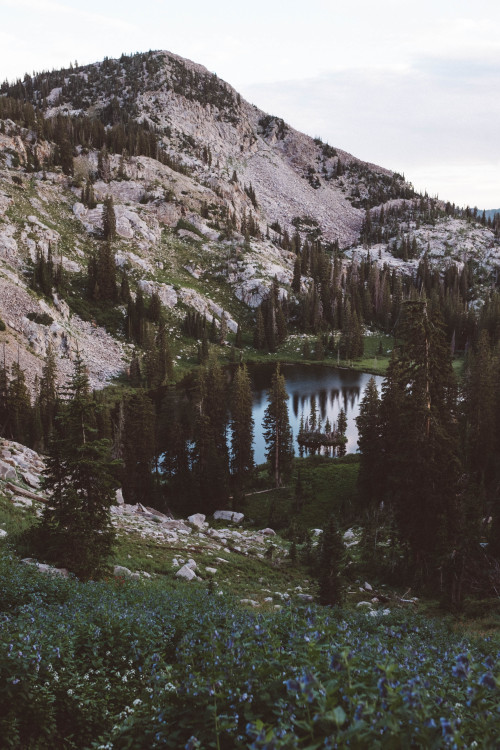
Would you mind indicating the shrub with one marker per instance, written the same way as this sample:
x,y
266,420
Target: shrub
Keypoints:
x,y
43,319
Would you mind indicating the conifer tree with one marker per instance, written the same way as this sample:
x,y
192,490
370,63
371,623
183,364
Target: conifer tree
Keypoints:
x,y
19,406
242,424
211,457
420,441
331,559
106,274
108,219
139,449
76,526
277,430
369,443
342,429
259,338
238,342
47,397
4,396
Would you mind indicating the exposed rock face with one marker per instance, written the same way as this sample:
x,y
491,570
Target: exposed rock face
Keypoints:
x,y
225,158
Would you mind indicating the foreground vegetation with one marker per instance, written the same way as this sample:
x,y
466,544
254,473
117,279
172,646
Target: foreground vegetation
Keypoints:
x,y
131,665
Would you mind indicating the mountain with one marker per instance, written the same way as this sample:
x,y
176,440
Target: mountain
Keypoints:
x,y
211,197
491,213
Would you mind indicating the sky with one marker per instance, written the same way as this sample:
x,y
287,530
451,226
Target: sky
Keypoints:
x,y
412,86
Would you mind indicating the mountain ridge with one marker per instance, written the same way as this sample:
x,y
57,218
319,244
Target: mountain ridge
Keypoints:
x,y
212,199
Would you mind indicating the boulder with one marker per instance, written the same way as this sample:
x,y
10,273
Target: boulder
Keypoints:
x,y
251,602
186,572
197,519
3,533
32,480
44,568
368,587
267,532
229,515
121,572
6,471
22,502
364,604
191,563
211,571
306,597
119,497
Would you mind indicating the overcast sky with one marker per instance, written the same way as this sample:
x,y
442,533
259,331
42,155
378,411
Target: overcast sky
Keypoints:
x,y
414,89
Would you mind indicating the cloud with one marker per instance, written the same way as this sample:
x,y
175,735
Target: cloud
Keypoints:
x,y
434,112
49,6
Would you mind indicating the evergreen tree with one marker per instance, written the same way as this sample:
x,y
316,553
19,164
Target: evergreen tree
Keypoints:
x,y
47,397
4,399
139,449
238,342
106,274
277,431
259,338
420,440
342,429
369,443
19,406
331,559
242,424
211,457
108,219
76,526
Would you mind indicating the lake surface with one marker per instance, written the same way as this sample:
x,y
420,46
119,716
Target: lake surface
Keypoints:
x,y
331,388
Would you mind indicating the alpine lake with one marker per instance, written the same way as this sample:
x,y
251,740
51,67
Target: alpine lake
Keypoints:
x,y
311,388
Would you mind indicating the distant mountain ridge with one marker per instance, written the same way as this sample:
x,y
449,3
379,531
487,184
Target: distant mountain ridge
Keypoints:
x,y
203,121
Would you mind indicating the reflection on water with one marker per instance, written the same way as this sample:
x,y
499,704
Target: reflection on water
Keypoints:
x,y
311,387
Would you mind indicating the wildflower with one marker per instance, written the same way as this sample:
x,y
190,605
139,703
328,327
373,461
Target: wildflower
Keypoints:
x,y
446,728
462,666
487,680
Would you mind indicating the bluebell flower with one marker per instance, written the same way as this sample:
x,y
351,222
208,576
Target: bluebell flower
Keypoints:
x,y
487,680
446,727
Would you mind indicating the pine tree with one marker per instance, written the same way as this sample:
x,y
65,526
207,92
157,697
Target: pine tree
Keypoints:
x,y
242,463
76,526
47,397
342,429
420,441
331,558
277,431
4,399
369,443
139,449
19,406
259,338
106,274
211,457
108,219
238,342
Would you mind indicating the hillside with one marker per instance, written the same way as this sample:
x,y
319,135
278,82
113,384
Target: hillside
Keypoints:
x,y
211,196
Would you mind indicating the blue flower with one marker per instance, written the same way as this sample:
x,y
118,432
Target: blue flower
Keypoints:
x,y
487,680
446,727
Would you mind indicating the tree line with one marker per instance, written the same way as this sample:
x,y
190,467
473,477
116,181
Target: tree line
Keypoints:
x,y
429,474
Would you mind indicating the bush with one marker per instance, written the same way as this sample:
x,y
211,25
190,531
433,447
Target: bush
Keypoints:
x,y
43,319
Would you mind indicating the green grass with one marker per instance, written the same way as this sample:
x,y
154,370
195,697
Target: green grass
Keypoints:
x,y
330,486
291,352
